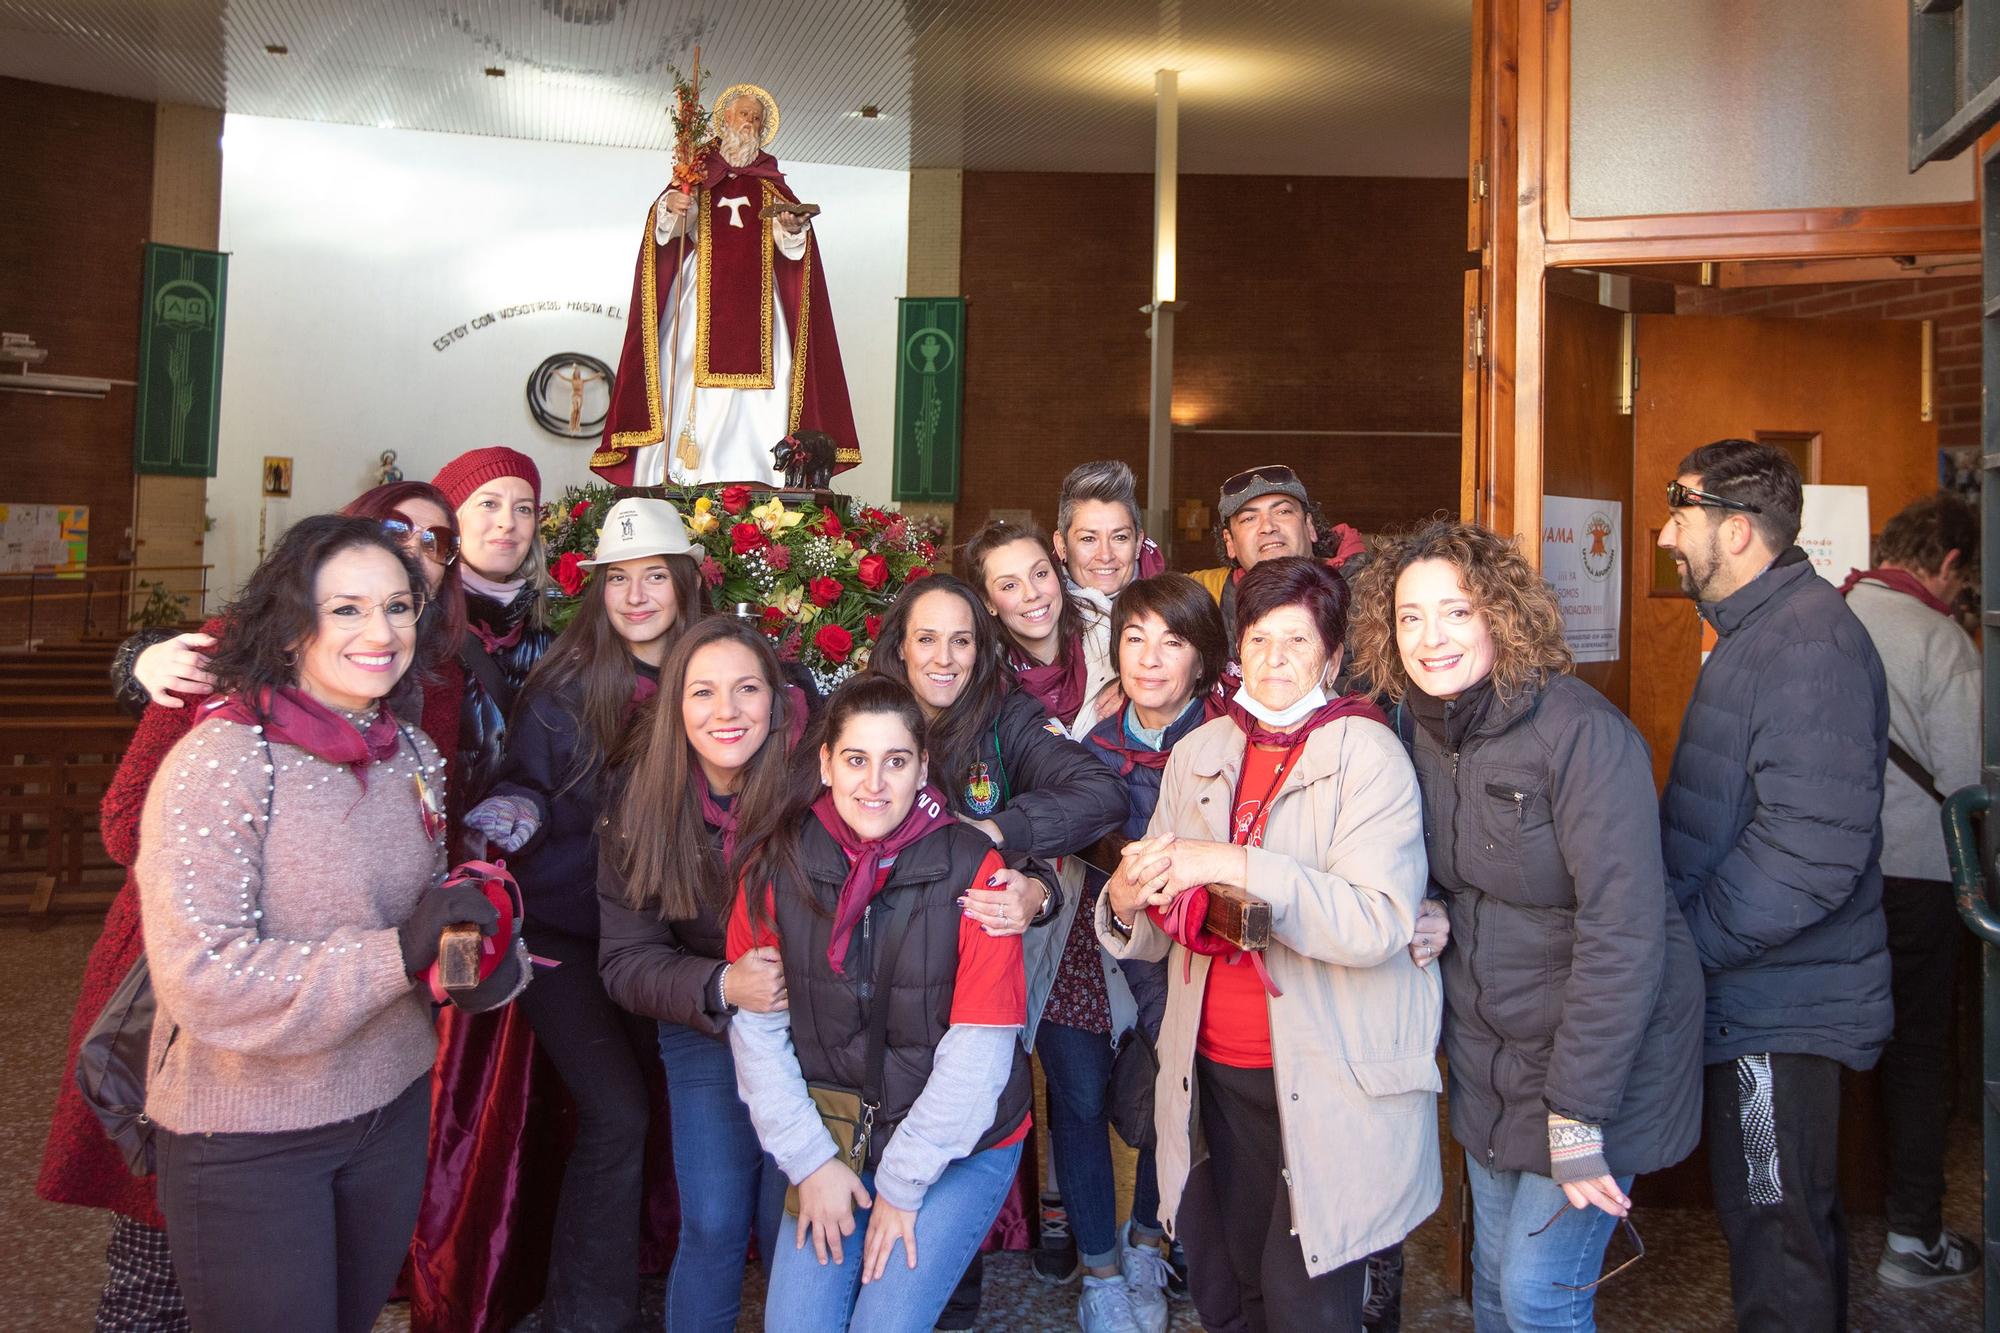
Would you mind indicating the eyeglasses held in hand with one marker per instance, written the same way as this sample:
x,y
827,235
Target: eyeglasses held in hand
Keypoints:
x,y
1631,1233
1275,474
401,610
1679,497
440,544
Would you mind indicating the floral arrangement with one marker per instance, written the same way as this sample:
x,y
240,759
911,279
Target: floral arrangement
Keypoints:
x,y
817,578
692,134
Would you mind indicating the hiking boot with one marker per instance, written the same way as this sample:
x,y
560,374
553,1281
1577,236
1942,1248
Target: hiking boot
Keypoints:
x,y
1055,1255
1104,1308
1907,1264
1145,1271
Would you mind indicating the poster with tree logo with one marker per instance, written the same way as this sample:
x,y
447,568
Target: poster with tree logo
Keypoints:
x,y
1580,540
180,361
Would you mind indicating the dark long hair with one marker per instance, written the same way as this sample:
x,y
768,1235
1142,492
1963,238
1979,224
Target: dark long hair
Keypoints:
x,y
276,614
770,853
447,604
665,854
972,562
957,733
592,656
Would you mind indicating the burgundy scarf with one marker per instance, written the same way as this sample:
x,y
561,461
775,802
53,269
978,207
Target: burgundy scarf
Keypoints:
x,y
1256,733
1898,580
296,718
864,861
1057,685
495,642
717,815
1138,756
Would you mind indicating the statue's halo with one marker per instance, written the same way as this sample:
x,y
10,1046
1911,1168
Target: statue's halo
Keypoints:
x,y
736,90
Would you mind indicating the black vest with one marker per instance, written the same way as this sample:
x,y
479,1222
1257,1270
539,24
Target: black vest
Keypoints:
x,y
829,1013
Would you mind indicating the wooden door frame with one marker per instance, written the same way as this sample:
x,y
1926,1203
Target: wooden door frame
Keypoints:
x,y
1521,226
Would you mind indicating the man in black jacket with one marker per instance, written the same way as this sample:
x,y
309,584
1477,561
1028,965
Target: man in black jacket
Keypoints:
x,y
1772,835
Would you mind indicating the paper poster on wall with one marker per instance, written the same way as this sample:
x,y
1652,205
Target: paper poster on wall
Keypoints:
x,y
1580,559
1833,530
43,537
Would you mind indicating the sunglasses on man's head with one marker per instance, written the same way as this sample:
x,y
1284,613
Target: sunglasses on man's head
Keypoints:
x,y
441,544
1679,497
1275,475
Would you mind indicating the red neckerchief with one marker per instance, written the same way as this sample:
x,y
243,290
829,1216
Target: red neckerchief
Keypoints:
x,y
1256,733
495,642
864,860
716,815
1138,756
296,718
1058,685
644,687
1896,580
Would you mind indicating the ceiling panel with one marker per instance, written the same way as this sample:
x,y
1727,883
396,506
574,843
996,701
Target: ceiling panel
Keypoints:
x,y
1321,87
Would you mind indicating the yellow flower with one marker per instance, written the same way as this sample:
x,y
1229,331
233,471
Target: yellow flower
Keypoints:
x,y
788,602
773,518
808,612
703,504
843,548
701,523
860,659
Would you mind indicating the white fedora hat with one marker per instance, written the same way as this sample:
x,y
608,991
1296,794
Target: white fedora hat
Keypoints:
x,y
635,527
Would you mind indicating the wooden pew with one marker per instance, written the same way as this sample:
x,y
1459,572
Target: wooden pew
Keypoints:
x,y
53,771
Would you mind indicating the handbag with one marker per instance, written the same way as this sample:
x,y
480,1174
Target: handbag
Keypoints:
x,y
1130,1097
849,1115
111,1067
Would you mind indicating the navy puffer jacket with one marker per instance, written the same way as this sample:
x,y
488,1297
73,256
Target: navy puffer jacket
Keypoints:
x,y
1772,823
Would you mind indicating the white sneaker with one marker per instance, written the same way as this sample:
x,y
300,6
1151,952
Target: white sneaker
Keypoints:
x,y
1104,1308
1145,1271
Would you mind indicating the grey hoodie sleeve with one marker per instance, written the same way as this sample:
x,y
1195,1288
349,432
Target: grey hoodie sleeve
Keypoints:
x,y
771,1086
956,1106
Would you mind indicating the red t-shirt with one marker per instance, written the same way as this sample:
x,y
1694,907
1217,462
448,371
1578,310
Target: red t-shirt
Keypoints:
x,y
1235,1026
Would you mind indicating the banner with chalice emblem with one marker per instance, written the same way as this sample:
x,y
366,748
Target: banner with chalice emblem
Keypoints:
x,y
930,396
180,361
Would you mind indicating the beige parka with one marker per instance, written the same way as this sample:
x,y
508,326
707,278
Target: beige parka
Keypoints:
x,y
1354,1036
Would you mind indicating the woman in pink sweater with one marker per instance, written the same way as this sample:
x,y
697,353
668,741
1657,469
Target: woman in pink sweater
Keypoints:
x,y
290,855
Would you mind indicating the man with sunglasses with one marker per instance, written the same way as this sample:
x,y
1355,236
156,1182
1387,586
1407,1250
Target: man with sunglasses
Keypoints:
x,y
1264,513
1773,837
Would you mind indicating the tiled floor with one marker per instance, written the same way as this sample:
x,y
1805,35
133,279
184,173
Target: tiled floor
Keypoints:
x,y
54,1254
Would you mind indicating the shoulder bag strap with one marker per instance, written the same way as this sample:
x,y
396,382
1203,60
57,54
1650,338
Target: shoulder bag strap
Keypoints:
x,y
1915,771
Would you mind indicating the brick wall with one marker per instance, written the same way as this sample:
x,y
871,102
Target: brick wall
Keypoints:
x,y
1953,302
80,172
1310,304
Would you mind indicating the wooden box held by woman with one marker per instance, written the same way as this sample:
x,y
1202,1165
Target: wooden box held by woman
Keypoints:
x,y
1308,1073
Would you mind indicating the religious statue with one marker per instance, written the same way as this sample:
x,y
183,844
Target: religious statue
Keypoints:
x,y
388,474
730,346
576,379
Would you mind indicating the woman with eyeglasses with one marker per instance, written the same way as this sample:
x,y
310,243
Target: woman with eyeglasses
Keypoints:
x,y
166,677
591,690
291,879
1573,995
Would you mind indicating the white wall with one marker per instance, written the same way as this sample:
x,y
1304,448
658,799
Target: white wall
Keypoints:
x,y
353,249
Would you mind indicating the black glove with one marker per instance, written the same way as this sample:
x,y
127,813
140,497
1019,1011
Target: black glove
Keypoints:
x,y
494,990
447,906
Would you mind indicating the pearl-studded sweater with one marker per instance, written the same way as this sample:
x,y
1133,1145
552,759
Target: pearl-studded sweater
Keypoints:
x,y
282,999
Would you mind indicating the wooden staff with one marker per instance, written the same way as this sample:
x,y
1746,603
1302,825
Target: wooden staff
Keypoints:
x,y
685,449
1239,917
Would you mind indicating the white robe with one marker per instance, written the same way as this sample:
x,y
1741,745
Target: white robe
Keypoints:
x,y
735,428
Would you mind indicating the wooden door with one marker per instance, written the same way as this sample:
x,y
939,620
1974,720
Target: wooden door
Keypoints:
x,y
1846,395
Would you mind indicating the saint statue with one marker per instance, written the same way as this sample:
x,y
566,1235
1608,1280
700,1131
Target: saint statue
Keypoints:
x,y
730,345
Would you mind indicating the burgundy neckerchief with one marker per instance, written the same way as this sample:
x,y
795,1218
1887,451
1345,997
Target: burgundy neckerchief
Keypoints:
x,y
1138,756
716,815
1896,580
296,718
495,642
864,861
1057,685
644,687
1256,733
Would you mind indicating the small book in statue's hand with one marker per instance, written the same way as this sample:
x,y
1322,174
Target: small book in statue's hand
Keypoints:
x,y
780,206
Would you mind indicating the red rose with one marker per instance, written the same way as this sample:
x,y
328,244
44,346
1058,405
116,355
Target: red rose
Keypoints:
x,y
773,621
916,572
824,591
829,526
746,537
873,571
735,499
569,572
835,642
873,624
711,573
578,510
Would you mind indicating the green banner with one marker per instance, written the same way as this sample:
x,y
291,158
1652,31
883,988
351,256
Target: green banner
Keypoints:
x,y
930,396
180,361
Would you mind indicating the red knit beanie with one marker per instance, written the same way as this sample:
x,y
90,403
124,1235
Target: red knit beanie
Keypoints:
x,y
472,469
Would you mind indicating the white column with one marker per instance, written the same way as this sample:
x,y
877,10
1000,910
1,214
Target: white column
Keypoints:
x,y
1166,196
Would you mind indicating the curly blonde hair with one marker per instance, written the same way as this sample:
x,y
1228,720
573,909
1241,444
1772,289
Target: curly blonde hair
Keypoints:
x,y
1520,608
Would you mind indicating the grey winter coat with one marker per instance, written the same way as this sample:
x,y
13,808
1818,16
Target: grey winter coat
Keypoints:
x,y
1772,823
1570,982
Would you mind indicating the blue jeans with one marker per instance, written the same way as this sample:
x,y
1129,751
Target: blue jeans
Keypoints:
x,y
727,1183
1077,1067
957,1212
1513,1274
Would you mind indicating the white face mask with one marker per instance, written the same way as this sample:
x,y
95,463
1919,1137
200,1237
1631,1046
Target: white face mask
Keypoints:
x,y
1297,711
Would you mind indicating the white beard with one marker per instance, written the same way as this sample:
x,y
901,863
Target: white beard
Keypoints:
x,y
739,148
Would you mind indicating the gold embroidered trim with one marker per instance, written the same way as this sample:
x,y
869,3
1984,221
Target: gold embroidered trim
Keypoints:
x,y
799,337
703,377
649,342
